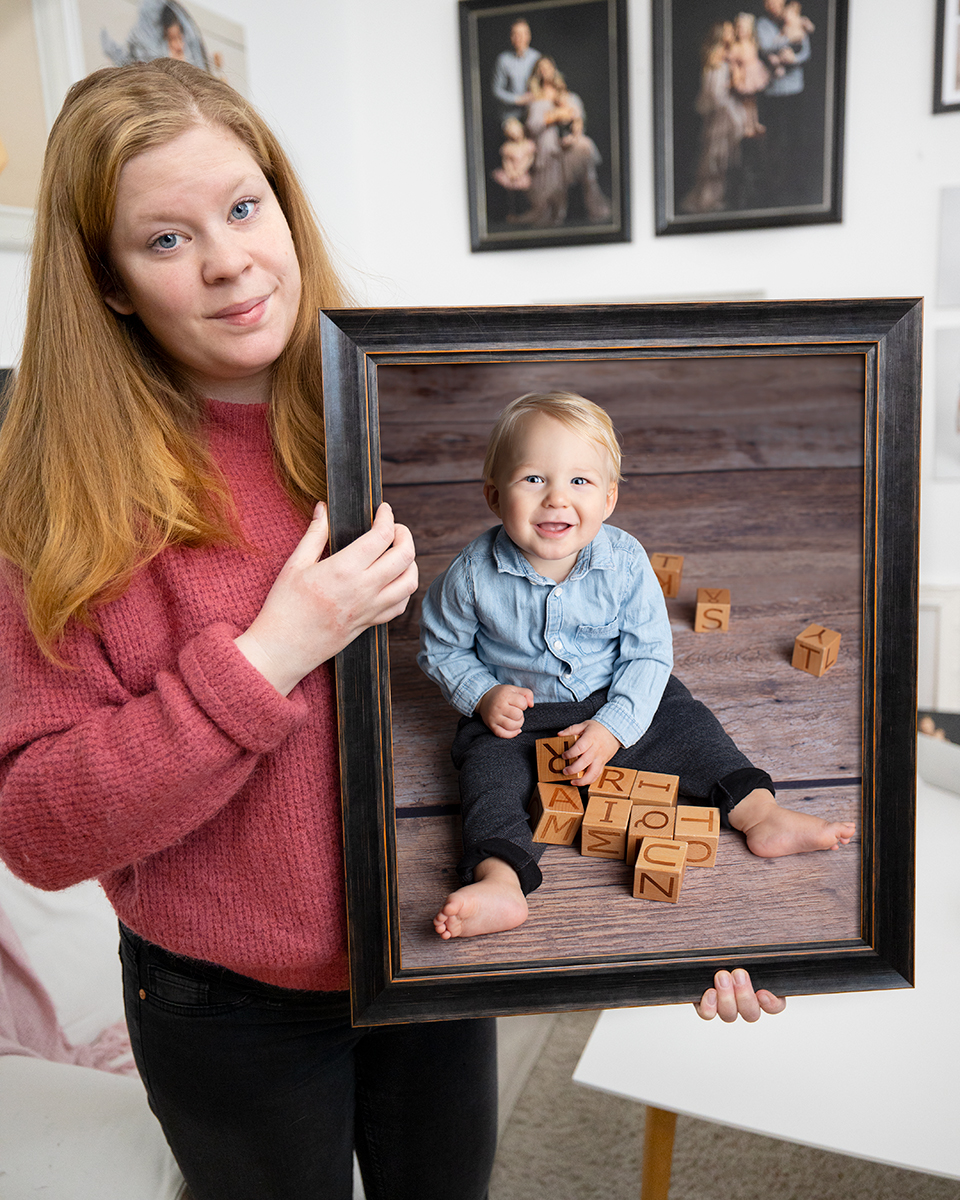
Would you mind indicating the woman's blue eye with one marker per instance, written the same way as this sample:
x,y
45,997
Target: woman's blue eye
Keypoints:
x,y
242,210
166,241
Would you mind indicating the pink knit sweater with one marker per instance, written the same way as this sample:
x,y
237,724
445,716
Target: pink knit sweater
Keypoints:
x,y
166,765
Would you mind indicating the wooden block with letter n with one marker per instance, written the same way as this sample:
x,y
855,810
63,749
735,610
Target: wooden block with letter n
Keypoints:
x,y
614,781
713,610
815,650
550,760
658,874
651,788
603,833
648,820
556,811
668,569
700,829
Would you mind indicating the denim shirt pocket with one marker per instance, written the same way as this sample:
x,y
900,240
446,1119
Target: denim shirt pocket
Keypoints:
x,y
594,639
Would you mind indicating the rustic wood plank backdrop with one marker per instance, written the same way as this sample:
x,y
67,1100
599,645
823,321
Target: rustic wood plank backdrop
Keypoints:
x,y
750,467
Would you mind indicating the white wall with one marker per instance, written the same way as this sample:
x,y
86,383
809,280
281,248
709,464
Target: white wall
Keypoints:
x,y
366,94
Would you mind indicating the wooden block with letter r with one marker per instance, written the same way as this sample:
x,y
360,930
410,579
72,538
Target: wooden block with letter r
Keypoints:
x,y
700,829
658,874
556,811
668,569
651,788
550,760
603,833
815,650
648,820
713,610
614,781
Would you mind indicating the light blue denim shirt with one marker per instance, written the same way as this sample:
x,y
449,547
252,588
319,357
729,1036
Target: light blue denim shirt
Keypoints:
x,y
772,41
491,618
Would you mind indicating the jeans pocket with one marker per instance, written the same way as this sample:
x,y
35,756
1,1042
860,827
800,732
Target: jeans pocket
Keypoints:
x,y
182,993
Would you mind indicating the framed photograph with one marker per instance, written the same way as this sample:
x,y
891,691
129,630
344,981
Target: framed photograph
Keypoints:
x,y
946,61
775,446
545,107
748,110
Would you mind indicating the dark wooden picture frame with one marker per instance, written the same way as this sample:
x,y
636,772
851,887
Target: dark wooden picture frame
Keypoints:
x,y
729,159
946,59
576,189
795,366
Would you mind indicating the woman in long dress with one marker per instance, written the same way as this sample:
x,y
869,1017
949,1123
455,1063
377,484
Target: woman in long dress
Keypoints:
x,y
724,123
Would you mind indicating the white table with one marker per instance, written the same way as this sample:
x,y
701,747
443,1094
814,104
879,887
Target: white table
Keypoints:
x,y
870,1074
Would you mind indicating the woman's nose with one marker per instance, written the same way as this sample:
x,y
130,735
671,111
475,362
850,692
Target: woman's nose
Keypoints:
x,y
226,256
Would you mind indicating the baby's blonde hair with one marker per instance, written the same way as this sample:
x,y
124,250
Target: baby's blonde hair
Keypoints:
x,y
584,417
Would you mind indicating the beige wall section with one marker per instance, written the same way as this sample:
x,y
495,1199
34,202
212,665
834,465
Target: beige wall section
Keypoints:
x,y
23,129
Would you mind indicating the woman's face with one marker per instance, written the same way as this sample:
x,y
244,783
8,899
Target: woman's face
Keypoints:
x,y
202,254
546,71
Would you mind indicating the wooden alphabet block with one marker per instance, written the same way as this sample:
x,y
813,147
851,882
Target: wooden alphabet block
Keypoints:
x,y
668,569
614,781
700,829
713,610
816,649
658,875
603,833
556,812
550,760
651,788
648,820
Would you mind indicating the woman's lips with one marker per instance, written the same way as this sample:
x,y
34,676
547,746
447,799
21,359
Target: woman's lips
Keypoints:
x,y
246,312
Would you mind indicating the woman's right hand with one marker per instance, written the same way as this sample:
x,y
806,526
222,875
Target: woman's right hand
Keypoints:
x,y
316,607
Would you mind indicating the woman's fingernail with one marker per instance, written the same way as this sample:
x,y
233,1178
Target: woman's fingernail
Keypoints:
x,y
740,977
723,980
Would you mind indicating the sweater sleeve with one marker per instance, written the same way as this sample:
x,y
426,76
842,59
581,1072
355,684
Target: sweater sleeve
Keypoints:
x,y
93,778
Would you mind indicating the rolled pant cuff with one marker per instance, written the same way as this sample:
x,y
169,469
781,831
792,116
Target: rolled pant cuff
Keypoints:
x,y
731,789
515,856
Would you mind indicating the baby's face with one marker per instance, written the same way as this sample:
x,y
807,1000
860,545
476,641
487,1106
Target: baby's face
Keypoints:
x,y
555,494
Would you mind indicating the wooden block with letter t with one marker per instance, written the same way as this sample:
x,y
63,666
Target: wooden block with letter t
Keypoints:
x,y
603,833
700,829
614,781
648,820
550,760
556,811
816,649
658,874
713,610
651,788
668,569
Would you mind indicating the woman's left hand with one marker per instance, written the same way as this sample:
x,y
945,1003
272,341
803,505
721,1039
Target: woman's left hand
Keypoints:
x,y
733,996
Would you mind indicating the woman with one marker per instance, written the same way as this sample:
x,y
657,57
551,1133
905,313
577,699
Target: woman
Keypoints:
x,y
565,154
724,124
167,624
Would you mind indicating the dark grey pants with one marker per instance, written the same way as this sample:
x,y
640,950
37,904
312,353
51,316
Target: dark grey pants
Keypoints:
x,y
498,775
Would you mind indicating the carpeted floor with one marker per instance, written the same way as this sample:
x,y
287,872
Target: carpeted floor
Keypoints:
x,y
567,1142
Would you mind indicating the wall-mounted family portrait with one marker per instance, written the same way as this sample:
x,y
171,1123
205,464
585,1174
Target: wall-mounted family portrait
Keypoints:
x,y
771,446
946,62
545,105
749,113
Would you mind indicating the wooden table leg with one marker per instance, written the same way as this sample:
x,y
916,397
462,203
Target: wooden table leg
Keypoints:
x,y
658,1131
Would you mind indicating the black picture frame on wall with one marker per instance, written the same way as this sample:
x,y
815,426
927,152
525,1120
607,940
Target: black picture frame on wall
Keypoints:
x,y
563,182
747,138
360,349
946,59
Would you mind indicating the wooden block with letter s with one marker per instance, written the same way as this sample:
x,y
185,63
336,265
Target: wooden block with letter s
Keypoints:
x,y
713,610
603,833
668,569
658,875
556,812
700,829
815,650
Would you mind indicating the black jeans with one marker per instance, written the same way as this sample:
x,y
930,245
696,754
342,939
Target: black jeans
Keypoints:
x,y
264,1093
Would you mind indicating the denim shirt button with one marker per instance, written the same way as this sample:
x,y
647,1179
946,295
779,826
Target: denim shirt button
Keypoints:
x,y
558,645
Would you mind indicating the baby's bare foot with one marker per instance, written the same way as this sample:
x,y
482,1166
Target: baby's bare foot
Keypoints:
x,y
773,832
493,904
